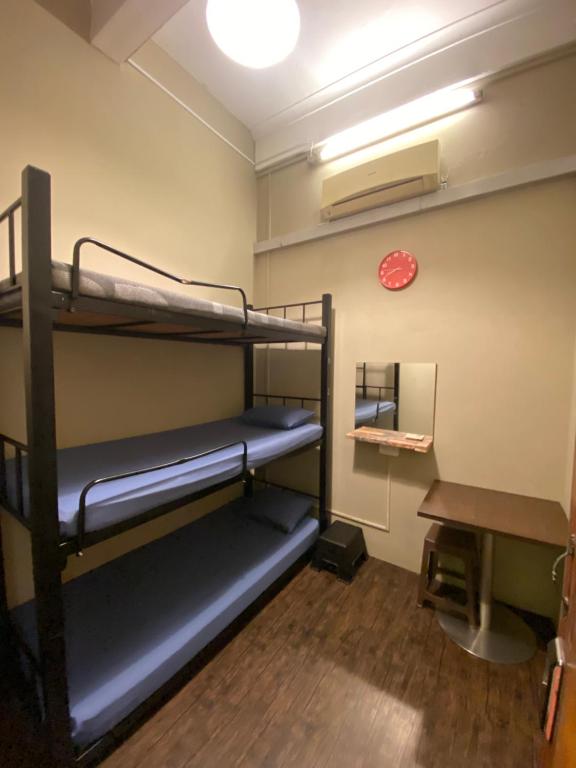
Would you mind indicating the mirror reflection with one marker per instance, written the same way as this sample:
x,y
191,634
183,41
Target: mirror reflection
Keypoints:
x,y
396,396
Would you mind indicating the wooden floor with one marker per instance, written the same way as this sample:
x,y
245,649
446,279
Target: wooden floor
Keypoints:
x,y
347,677
337,676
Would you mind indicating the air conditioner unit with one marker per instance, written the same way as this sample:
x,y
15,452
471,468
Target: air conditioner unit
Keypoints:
x,y
408,173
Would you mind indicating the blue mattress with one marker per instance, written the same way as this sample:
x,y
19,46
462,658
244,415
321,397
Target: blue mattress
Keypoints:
x,y
367,410
133,623
120,500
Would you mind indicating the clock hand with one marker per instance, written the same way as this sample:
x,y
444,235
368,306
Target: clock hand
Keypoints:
x,y
397,269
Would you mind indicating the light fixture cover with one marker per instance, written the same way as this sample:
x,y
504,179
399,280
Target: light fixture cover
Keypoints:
x,y
403,118
254,33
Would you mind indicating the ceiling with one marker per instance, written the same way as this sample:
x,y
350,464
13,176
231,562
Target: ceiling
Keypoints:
x,y
357,59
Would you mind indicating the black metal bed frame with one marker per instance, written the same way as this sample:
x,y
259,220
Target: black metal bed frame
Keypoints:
x,y
35,306
395,389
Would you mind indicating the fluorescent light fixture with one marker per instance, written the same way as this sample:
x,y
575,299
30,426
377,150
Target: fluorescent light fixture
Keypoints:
x,y
254,33
404,118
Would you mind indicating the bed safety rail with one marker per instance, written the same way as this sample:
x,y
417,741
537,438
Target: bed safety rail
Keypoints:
x,y
75,292
285,398
22,645
303,305
134,473
25,667
374,386
9,214
17,508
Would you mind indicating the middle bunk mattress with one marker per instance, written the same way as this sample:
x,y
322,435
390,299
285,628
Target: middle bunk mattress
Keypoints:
x,y
115,502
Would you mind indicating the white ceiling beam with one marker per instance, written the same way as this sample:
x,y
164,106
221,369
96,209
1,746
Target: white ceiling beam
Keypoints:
x,y
121,27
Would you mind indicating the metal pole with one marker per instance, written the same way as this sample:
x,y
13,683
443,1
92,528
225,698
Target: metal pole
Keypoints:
x,y
248,359
41,427
4,631
486,580
325,453
396,416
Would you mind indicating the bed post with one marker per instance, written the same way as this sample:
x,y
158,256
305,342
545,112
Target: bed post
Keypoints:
x,y
248,353
41,430
396,417
326,354
4,627
248,374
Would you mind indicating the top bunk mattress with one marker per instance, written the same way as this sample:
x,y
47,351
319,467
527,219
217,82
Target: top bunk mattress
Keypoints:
x,y
120,500
98,286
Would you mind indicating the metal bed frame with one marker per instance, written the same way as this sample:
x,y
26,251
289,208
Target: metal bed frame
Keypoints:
x,y
40,310
395,390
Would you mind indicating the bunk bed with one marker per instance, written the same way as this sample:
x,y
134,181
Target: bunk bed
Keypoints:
x,y
140,644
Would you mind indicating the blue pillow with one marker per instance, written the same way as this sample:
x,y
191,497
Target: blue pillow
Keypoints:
x,y
276,416
276,507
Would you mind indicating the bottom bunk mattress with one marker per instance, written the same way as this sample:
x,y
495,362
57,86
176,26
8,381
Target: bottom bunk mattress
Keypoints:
x,y
134,622
115,502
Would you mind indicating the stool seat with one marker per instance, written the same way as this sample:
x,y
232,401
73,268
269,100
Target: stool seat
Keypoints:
x,y
446,537
454,542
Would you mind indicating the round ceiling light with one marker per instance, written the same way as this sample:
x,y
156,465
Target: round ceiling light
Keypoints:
x,y
254,33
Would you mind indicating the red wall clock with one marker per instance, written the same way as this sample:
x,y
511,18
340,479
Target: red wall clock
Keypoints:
x,y
397,270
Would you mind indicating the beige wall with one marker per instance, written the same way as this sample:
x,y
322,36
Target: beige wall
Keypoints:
x,y
417,398
158,64
503,340
525,117
571,448
76,14
131,167
493,305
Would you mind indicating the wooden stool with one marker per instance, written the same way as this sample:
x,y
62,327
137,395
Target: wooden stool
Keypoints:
x,y
444,540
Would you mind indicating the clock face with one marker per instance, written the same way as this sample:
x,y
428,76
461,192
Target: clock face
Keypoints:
x,y
397,270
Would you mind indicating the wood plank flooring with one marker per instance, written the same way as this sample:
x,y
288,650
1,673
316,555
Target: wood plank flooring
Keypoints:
x,y
330,675
336,676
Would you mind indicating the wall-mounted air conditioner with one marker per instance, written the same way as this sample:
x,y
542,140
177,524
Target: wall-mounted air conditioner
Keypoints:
x,y
408,173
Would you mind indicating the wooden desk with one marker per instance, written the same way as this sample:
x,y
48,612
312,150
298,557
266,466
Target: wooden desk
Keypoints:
x,y
502,636
508,514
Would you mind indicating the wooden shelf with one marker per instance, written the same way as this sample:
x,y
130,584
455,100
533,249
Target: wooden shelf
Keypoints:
x,y
391,438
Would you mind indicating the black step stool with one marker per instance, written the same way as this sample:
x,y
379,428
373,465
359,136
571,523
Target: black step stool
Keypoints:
x,y
340,549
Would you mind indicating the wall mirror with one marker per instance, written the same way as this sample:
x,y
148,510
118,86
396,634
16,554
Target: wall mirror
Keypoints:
x,y
396,396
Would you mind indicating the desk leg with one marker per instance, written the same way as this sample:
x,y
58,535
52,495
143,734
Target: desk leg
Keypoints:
x,y
502,636
486,580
